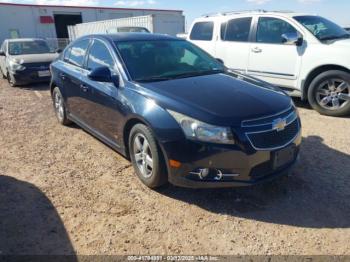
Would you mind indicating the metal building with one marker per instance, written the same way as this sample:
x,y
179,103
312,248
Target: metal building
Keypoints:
x,y
51,21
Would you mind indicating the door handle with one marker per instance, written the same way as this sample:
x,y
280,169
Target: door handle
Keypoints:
x,y
256,50
84,88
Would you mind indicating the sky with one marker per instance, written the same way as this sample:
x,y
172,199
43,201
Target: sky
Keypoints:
x,y
336,10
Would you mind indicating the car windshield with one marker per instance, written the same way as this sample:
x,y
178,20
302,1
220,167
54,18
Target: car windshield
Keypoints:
x,y
160,60
28,47
322,28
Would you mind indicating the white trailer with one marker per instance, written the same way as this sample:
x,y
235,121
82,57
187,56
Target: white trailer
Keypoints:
x,y
170,24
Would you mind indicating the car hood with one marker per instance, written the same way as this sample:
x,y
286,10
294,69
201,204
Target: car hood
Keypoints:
x,y
219,99
35,58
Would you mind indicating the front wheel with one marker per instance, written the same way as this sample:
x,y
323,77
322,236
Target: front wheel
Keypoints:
x,y
146,157
11,80
2,74
329,93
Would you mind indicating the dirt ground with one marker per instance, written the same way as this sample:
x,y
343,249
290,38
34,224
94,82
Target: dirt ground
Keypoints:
x,y
64,192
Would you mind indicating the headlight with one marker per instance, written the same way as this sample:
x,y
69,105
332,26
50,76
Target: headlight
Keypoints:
x,y
197,130
16,65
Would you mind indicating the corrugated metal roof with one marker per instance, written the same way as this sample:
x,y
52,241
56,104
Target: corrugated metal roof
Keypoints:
x,y
90,7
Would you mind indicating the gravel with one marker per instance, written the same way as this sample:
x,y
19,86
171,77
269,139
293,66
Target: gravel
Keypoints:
x,y
64,192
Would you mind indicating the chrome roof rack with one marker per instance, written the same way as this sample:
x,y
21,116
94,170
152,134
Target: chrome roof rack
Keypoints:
x,y
234,12
244,12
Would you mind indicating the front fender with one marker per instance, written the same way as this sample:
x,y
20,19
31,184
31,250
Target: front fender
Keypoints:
x,y
337,56
146,110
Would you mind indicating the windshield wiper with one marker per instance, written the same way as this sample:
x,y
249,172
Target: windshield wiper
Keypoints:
x,y
182,75
196,73
333,37
152,79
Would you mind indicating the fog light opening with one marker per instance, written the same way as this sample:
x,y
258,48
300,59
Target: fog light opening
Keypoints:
x,y
219,175
211,174
201,173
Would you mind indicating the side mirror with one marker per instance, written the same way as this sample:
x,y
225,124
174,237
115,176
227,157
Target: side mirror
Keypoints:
x,y
104,74
58,50
292,39
2,53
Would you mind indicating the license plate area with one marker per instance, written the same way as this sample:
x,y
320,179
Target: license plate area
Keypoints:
x,y
283,157
44,73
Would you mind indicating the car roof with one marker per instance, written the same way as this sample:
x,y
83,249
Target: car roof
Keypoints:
x,y
121,37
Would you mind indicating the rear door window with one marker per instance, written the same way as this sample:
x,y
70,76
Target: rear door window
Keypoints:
x,y
236,30
202,31
77,52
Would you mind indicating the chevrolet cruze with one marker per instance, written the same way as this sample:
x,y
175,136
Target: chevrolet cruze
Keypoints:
x,y
176,112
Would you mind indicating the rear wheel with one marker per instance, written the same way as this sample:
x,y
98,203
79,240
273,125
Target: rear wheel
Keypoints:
x,y
329,93
146,157
59,106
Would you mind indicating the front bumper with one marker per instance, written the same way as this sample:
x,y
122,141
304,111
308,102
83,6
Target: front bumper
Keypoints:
x,y
28,76
243,165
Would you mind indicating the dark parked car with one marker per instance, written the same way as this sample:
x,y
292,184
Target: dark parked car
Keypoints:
x,y
24,61
175,111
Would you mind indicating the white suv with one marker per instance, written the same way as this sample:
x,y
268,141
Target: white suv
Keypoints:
x,y
307,55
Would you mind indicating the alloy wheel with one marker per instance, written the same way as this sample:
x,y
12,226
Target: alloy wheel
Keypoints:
x,y
333,94
143,155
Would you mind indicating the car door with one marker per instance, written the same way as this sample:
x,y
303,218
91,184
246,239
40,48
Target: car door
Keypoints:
x,y
3,58
272,60
233,45
104,107
71,74
202,35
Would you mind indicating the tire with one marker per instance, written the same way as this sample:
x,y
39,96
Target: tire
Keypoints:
x,y
157,177
329,93
59,107
2,76
11,80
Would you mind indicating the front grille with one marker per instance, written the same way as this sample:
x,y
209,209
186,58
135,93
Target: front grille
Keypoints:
x,y
37,66
273,138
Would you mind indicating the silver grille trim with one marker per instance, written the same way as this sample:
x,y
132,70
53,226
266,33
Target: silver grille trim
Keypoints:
x,y
243,124
270,130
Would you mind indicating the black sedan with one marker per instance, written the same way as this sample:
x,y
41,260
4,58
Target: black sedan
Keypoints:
x,y
175,111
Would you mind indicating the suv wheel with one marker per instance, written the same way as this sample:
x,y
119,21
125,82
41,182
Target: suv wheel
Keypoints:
x,y
146,157
60,108
329,93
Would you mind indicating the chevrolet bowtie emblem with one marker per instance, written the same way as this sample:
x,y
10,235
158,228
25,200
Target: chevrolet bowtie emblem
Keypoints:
x,y
279,124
